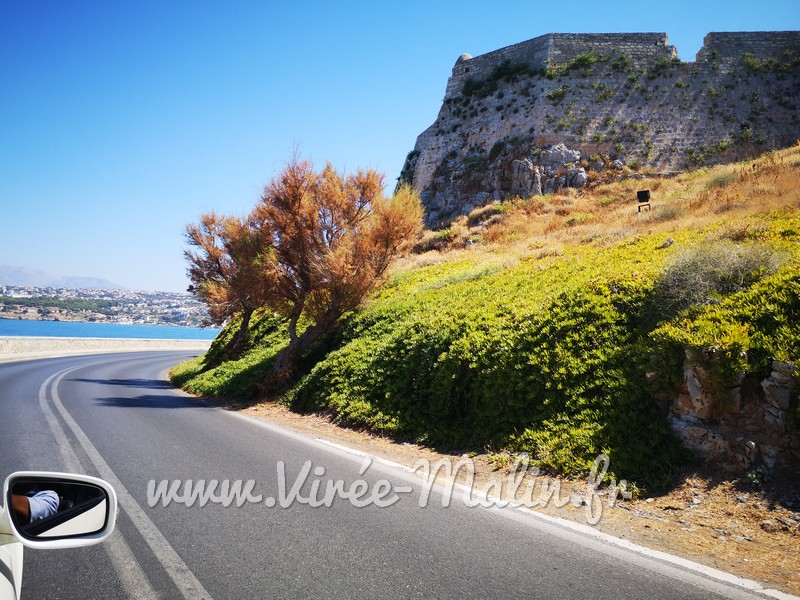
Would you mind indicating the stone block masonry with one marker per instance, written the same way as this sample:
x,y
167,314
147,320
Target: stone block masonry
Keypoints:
x,y
727,47
559,49
611,100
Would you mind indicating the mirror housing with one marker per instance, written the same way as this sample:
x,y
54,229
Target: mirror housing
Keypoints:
x,y
58,510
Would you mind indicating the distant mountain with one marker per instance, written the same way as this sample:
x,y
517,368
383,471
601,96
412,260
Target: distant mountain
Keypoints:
x,y
23,276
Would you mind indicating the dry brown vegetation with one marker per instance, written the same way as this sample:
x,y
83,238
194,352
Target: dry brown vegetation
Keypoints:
x,y
607,213
314,246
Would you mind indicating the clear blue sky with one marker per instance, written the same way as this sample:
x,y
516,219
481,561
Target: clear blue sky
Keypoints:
x,y
122,121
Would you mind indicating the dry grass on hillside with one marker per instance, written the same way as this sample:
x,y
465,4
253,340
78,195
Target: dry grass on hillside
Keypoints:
x,y
542,225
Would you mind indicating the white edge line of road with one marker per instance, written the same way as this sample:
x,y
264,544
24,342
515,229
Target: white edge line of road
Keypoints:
x,y
177,570
683,564
125,564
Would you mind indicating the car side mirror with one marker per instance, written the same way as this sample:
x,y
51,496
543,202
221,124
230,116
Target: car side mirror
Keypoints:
x,y
59,510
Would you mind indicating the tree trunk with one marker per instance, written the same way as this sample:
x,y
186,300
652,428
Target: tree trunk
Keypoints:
x,y
234,347
284,371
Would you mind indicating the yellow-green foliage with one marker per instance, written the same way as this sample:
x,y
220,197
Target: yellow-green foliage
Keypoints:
x,y
542,356
757,320
234,378
546,355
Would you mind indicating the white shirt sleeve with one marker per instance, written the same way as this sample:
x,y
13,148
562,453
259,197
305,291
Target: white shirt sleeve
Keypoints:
x,y
43,504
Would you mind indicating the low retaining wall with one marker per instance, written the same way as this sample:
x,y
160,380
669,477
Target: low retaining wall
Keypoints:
x,y
22,348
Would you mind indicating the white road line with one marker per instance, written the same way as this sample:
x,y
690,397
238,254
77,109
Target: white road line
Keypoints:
x,y
125,564
71,461
178,571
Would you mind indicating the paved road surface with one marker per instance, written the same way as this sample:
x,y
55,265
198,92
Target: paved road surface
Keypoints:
x,y
116,417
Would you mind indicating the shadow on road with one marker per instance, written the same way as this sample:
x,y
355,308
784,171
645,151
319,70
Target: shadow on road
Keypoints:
x,y
153,401
150,384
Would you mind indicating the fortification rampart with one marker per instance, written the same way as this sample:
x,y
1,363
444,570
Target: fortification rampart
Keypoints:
x,y
727,47
558,49
606,101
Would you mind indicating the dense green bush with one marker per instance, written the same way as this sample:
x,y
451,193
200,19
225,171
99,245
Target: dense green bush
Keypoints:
x,y
731,307
542,358
214,374
557,95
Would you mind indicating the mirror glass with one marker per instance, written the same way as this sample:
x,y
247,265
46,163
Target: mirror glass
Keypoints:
x,y
49,507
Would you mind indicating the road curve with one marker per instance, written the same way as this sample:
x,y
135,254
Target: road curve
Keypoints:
x,y
116,417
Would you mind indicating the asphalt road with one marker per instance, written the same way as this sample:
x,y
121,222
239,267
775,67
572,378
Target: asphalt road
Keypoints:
x,y
116,417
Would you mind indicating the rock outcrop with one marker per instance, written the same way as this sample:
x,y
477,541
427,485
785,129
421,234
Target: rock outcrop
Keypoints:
x,y
744,425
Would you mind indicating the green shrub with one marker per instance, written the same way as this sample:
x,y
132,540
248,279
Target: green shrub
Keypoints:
x,y
216,374
495,358
577,218
557,95
476,87
584,60
659,68
622,63
504,71
721,180
722,145
605,94
702,274
774,65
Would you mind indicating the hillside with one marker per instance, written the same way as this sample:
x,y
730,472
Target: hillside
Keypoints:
x,y
559,325
562,110
23,276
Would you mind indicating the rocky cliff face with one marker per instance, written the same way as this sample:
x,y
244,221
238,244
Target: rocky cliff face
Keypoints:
x,y
548,113
745,425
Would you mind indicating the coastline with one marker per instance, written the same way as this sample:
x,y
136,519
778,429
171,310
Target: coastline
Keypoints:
x,y
13,348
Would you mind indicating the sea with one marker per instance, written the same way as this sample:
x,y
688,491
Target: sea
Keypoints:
x,y
26,328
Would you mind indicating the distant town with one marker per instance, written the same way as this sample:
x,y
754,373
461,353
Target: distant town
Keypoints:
x,y
101,306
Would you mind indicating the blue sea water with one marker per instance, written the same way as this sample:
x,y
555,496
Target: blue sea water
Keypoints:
x,y
24,328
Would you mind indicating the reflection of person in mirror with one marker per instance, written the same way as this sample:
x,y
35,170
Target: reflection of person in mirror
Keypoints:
x,y
35,505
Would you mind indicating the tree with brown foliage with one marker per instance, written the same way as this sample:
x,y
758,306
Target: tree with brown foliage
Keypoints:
x,y
226,270
314,246
329,240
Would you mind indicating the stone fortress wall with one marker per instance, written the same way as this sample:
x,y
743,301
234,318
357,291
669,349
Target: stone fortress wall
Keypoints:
x,y
727,47
634,105
643,50
559,49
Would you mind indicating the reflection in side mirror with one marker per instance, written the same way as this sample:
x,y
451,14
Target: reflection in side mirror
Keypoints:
x,y
57,509
45,508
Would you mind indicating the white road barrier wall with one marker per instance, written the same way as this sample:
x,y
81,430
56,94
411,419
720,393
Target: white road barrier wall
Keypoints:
x,y
19,348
